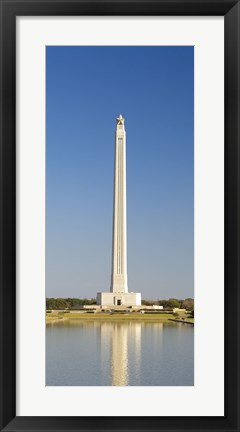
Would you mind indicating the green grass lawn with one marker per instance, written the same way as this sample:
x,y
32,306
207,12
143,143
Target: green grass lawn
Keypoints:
x,y
99,316
111,317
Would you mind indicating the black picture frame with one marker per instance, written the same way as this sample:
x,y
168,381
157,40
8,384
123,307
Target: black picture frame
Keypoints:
x,y
9,11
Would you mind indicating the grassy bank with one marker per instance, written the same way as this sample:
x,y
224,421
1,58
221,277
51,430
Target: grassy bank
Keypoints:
x,y
110,317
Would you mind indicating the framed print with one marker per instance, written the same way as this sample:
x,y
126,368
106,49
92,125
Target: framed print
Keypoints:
x,y
124,318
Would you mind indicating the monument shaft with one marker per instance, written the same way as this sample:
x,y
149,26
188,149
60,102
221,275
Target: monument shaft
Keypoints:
x,y
119,246
118,296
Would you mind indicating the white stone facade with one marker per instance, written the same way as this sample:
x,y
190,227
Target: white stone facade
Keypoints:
x,y
118,299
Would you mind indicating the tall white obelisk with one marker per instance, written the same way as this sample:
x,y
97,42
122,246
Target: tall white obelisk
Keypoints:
x,y
118,294
119,246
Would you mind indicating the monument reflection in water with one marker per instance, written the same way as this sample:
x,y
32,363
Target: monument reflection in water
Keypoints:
x,y
119,353
121,338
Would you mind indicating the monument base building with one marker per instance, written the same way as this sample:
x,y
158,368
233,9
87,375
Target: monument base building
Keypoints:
x,y
118,299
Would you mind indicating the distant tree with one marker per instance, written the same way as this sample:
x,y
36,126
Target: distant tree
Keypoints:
x,y
92,301
188,304
147,302
173,303
181,304
164,303
65,303
50,303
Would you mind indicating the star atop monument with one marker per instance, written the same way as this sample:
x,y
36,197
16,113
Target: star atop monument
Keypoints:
x,y
120,120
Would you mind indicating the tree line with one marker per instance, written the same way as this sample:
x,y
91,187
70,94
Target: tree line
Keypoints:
x,y
65,303
172,303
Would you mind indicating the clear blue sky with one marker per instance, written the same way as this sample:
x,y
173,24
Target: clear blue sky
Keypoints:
x,y
87,88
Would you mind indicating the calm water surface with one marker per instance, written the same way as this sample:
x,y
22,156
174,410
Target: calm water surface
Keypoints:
x,y
119,354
